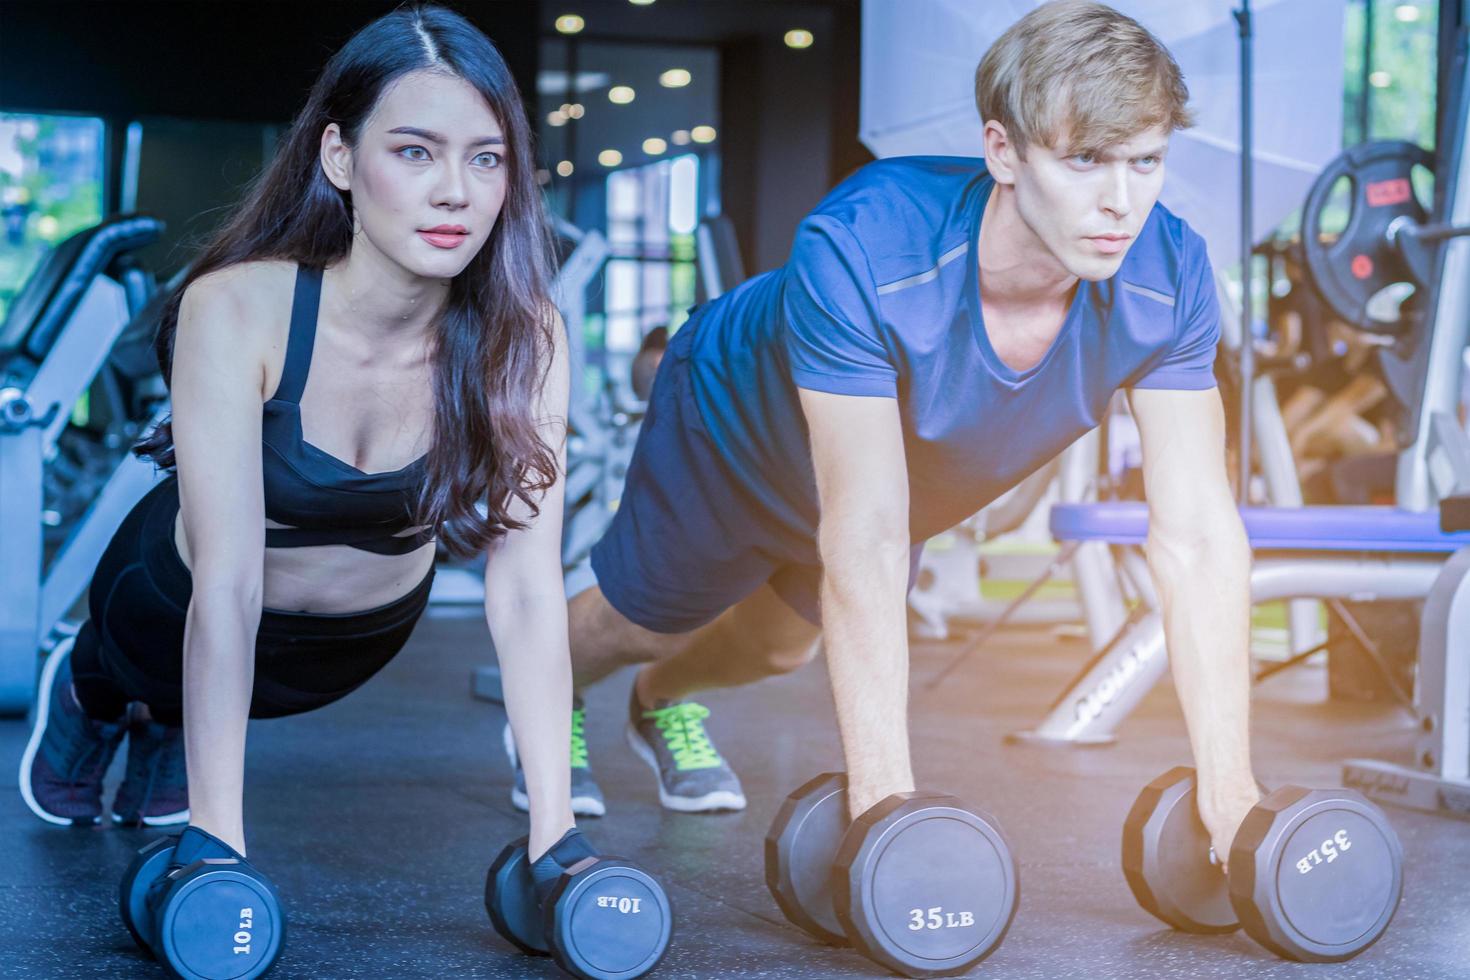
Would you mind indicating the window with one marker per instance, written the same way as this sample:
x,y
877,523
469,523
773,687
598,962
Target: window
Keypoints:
x,y
1390,72
50,188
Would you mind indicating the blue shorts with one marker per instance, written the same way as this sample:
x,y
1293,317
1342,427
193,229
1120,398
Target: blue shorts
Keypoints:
x,y
686,543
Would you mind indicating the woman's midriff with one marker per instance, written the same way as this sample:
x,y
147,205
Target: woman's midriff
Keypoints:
x,y
332,579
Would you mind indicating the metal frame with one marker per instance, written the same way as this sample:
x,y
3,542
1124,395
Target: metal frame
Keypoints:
x,y
35,413
1110,686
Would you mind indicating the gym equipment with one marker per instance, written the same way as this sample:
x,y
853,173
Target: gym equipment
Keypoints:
x,y
65,485
1315,875
606,919
1385,240
920,883
214,918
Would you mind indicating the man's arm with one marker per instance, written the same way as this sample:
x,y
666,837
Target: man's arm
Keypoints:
x,y
1200,560
863,539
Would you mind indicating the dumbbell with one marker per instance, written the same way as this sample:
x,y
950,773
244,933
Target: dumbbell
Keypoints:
x,y
1315,875
920,883
201,910
604,919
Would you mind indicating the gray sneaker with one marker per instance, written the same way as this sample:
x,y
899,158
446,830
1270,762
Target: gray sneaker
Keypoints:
x,y
692,777
586,794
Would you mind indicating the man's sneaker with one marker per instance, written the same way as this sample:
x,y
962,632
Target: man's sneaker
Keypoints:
x,y
586,794
68,753
670,737
155,790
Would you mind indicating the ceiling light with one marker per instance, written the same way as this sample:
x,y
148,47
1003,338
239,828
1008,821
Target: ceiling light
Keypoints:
x,y
570,24
653,146
565,168
702,134
1406,13
680,137
675,78
1380,79
574,111
641,3
621,95
609,158
798,39
556,118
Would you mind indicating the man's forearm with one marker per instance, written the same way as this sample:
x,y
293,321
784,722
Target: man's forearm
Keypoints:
x,y
864,630
1204,587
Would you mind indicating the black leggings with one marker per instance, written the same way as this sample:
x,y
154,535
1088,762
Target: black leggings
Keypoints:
x,y
132,647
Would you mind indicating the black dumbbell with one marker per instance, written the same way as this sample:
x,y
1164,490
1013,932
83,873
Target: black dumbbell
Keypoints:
x,y
201,910
1315,875
920,883
603,918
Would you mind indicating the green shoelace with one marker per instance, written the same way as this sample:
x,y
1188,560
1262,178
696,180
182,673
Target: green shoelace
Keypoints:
x,y
682,726
579,738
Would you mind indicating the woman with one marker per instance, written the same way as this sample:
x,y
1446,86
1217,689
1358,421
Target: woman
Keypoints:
x,y
364,360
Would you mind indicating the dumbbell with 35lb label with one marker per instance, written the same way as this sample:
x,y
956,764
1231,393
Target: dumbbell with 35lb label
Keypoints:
x,y
1315,875
920,883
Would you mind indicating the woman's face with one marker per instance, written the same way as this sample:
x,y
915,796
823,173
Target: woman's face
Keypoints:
x,y
427,176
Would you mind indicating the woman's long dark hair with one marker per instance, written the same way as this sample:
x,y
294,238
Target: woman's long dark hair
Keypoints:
x,y
492,341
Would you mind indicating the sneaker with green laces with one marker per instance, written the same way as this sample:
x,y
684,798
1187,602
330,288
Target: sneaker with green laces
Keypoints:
x,y
692,776
587,798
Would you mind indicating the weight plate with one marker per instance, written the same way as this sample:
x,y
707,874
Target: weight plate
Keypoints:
x,y
801,849
1316,875
1362,260
510,900
925,885
148,864
608,921
219,921
1166,859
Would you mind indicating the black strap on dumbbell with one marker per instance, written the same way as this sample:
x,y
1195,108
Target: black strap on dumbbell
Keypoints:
x,y
572,849
194,845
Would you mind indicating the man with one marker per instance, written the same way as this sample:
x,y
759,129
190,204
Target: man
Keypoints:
x,y
944,326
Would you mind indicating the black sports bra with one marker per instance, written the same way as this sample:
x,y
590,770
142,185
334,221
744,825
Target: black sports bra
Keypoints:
x,y
324,499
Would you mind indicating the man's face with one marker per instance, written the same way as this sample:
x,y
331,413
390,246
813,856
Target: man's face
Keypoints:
x,y
1087,204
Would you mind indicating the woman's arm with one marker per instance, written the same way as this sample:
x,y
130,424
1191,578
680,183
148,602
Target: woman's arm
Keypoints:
x,y
218,382
526,609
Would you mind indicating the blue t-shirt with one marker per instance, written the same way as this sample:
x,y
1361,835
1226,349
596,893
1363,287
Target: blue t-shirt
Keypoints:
x,y
880,298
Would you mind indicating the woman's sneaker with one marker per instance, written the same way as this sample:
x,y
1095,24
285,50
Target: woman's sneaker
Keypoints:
x,y
692,777
68,753
586,794
155,789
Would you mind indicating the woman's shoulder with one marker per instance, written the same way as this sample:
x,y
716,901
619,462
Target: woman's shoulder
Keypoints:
x,y
255,294
244,287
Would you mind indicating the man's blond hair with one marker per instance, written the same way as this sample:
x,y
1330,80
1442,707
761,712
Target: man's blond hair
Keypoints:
x,y
1079,71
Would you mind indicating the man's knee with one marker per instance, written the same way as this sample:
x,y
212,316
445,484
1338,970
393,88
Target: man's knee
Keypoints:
x,y
774,633
791,654
598,631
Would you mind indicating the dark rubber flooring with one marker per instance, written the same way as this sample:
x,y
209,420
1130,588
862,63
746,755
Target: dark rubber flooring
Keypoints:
x,y
378,816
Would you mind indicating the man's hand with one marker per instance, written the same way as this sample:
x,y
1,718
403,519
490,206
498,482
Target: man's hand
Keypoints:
x,y
1223,807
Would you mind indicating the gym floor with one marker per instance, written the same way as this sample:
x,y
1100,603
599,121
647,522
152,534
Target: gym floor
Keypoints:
x,y
378,816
